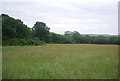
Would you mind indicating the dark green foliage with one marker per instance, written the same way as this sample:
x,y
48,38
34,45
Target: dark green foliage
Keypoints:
x,y
14,28
85,39
57,38
113,40
76,36
41,31
15,32
35,42
0,31
68,33
100,40
118,40
21,42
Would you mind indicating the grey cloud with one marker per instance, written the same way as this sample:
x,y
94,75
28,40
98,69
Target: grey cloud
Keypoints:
x,y
85,18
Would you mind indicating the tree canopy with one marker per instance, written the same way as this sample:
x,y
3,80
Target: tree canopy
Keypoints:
x,y
41,31
15,32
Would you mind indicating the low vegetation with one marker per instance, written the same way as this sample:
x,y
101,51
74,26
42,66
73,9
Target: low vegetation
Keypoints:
x,y
21,42
60,61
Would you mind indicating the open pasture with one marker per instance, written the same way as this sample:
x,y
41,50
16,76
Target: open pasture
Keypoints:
x,y
60,61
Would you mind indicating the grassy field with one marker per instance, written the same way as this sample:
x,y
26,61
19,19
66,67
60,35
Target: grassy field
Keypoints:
x,y
60,61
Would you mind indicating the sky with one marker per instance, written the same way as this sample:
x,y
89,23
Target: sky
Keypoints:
x,y
84,16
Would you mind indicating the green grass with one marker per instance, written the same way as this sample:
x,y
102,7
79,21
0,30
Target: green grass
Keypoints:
x,y
60,61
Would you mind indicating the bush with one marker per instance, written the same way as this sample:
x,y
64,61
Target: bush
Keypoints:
x,y
21,42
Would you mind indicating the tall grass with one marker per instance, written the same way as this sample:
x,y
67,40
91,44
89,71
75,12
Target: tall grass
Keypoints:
x,y
60,61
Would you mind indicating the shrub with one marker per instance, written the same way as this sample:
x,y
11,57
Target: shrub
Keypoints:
x,y
21,42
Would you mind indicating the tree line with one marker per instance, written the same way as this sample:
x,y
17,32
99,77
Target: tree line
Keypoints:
x,y
15,32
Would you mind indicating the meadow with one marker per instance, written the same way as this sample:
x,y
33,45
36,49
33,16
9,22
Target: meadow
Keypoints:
x,y
60,61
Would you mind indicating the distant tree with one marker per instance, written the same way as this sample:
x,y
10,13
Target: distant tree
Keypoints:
x,y
8,28
22,30
57,38
100,40
76,36
41,31
68,33
118,40
15,32
113,40
13,28
0,30
85,39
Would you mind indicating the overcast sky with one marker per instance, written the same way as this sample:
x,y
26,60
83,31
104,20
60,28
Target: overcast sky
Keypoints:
x,y
84,16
